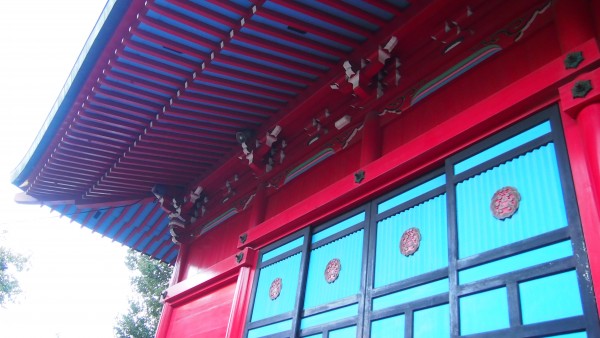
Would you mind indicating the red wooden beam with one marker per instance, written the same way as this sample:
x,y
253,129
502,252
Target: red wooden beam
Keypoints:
x,y
161,54
304,26
140,83
161,66
141,73
246,88
324,17
180,33
278,75
174,46
286,50
295,39
196,24
357,12
248,78
292,65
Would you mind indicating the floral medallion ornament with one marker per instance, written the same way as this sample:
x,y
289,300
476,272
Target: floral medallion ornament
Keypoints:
x,y
505,202
410,241
275,289
332,270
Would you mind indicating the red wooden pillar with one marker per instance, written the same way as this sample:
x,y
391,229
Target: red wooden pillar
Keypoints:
x,y
239,308
257,213
580,110
574,23
371,141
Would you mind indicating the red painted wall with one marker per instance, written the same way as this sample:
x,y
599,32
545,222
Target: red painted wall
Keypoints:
x,y
206,316
215,245
322,175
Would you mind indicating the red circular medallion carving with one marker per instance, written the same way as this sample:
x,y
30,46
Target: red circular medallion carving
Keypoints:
x,y
275,289
410,241
332,270
505,202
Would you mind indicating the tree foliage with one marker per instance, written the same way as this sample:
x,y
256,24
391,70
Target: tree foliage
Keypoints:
x,y
10,262
150,279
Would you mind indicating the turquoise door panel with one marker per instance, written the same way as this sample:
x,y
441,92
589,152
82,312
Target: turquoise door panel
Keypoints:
x,y
485,311
432,323
392,327
548,298
288,270
348,250
431,220
535,176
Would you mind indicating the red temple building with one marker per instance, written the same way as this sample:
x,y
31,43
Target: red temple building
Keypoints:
x,y
355,168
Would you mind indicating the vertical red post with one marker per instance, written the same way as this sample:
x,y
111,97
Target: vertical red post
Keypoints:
x,y
589,122
239,308
581,120
574,23
371,141
257,213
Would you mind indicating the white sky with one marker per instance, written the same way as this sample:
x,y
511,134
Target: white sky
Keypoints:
x,y
77,283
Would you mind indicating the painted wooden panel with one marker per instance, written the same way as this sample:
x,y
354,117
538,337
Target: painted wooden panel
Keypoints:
x,y
269,329
548,298
535,176
430,218
484,311
203,253
329,316
392,327
411,294
288,270
348,250
282,249
432,322
190,319
343,333
411,193
503,147
516,262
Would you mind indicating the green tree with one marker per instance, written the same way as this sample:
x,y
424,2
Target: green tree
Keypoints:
x,y
150,279
10,262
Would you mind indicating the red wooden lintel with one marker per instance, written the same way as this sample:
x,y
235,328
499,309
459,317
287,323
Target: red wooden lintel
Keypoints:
x,y
508,105
221,273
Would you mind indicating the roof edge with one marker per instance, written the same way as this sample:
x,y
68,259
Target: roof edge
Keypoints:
x,y
105,26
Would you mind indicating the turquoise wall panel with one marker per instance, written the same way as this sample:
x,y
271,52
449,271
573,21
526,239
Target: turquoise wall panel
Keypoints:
x,y
392,327
411,193
430,218
432,323
411,294
535,175
270,329
282,249
348,250
343,225
318,335
503,147
550,298
329,316
516,262
346,332
288,270
484,311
